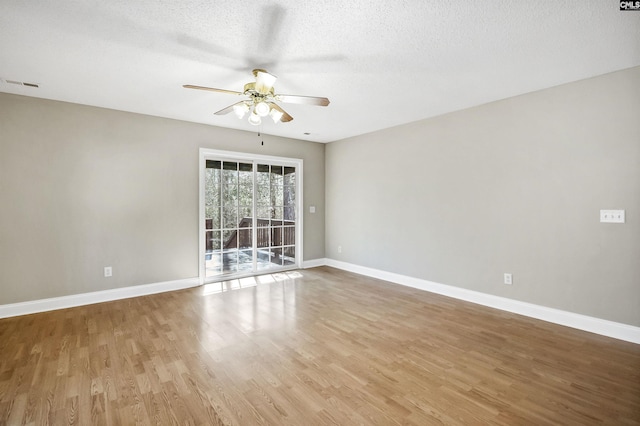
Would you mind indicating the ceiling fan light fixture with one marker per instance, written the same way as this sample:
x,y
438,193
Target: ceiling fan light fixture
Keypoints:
x,y
264,81
276,115
255,119
262,109
240,109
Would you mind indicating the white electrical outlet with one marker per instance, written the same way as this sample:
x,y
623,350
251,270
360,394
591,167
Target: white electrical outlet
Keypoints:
x,y
108,271
312,209
339,249
612,216
508,279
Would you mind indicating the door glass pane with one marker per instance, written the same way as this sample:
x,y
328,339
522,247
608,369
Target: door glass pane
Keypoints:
x,y
229,239
230,195
264,215
289,195
276,175
289,215
213,240
289,255
276,213
213,264
245,218
245,260
276,236
264,263
289,176
288,236
263,174
277,198
244,238
264,237
276,256
230,214
245,195
230,262
229,173
245,174
263,195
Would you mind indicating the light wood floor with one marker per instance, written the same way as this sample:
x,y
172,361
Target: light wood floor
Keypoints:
x,y
318,346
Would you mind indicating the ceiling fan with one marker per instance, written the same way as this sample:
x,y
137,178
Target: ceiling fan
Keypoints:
x,y
262,99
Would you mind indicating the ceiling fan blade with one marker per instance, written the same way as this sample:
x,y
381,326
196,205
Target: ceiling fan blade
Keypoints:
x,y
285,116
212,89
228,109
264,81
304,100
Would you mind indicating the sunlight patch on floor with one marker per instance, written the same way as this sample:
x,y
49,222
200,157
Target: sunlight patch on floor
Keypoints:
x,y
247,282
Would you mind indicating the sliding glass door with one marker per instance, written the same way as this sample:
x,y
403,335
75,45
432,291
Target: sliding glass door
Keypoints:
x,y
249,208
228,217
276,216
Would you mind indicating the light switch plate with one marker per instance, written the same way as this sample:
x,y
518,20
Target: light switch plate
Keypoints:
x,y
612,216
312,209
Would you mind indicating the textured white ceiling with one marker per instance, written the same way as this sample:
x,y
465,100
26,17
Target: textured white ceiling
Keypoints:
x,y
381,63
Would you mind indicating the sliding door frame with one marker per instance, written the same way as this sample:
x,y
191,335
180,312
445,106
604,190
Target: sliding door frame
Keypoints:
x,y
211,154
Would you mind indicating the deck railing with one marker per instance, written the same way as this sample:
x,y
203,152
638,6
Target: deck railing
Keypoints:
x,y
270,233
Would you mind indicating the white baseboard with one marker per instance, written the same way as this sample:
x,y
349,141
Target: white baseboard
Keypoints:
x,y
42,305
607,328
603,327
313,263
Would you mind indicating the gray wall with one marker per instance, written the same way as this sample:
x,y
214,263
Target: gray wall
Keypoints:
x,y
512,186
82,188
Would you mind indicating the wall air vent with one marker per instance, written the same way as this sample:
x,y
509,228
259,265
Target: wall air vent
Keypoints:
x,y
20,83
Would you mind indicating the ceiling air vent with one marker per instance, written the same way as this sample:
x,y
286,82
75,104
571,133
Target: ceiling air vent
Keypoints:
x,y
20,83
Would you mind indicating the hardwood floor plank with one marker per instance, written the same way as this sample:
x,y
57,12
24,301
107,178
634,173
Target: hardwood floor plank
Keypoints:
x,y
317,346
